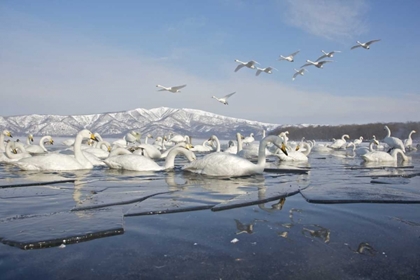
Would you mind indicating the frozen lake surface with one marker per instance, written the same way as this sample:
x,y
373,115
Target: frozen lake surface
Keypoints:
x,y
333,218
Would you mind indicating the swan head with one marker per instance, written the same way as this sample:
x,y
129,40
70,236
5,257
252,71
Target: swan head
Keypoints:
x,y
7,133
279,143
31,137
50,141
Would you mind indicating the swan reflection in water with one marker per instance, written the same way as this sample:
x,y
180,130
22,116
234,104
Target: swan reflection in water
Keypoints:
x,y
320,233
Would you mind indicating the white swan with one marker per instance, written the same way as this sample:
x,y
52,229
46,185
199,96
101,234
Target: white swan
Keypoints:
x,y
11,153
224,98
99,150
132,137
268,70
339,143
202,148
228,165
40,149
290,57
318,64
364,45
408,143
232,148
393,142
148,151
364,150
300,156
250,64
249,139
380,156
29,140
60,162
141,163
327,54
4,133
179,138
299,72
358,141
171,89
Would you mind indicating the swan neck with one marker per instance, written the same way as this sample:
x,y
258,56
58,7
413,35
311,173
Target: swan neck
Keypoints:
x,y
217,143
170,159
262,147
78,154
239,139
41,142
388,131
8,152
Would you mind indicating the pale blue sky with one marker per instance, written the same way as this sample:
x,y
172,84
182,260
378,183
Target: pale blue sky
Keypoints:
x,y
82,57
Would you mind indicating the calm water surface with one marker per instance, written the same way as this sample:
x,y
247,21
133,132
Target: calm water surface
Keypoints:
x,y
333,218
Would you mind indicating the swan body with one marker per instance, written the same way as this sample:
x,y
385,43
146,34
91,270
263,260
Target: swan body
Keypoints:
x,y
408,143
232,148
300,156
393,142
202,148
4,133
228,165
268,70
364,150
339,143
364,45
318,64
15,155
148,151
98,151
249,139
380,156
174,89
358,141
299,72
327,54
250,64
179,138
132,137
60,162
39,149
224,98
141,163
290,57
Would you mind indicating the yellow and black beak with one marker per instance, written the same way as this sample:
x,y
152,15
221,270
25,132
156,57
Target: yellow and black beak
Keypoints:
x,y
52,142
32,139
283,149
9,134
93,138
14,151
297,148
189,146
109,149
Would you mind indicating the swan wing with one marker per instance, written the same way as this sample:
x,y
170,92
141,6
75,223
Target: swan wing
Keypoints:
x,y
357,46
307,64
321,57
229,95
373,41
50,162
293,54
178,87
238,67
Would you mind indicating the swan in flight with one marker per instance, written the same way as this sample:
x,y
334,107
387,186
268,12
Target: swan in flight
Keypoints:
x,y
318,64
380,156
4,133
364,45
290,57
268,70
250,64
60,162
140,163
327,54
229,165
171,89
393,142
408,143
299,72
224,98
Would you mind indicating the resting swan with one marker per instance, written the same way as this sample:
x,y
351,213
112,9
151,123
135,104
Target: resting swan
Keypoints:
x,y
393,142
60,162
408,143
14,156
4,133
39,149
228,165
379,156
339,143
141,163
301,156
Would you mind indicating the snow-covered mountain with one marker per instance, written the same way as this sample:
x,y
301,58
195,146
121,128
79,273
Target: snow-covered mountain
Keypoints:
x,y
158,121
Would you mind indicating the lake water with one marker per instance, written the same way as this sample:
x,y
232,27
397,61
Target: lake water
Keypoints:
x,y
333,218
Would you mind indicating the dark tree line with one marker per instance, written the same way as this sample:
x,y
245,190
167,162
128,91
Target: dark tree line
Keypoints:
x,y
327,132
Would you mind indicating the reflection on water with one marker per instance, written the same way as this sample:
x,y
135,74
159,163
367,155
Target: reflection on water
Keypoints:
x,y
86,205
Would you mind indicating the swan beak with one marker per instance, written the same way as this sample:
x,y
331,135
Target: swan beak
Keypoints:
x,y
376,142
32,139
109,149
9,134
14,151
189,146
283,149
93,137
297,148
52,142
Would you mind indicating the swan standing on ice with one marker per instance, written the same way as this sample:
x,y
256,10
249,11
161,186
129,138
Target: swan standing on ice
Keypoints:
x,y
250,64
60,162
224,98
290,57
329,54
171,89
267,70
364,45
318,64
228,165
299,72
380,156
141,163
393,142
4,133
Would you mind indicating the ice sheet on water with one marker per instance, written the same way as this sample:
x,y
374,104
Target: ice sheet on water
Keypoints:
x,y
42,231
365,193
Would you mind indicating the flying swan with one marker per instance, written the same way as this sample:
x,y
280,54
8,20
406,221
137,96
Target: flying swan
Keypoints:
x,y
318,64
224,98
171,89
250,64
299,72
329,54
290,57
364,45
268,70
